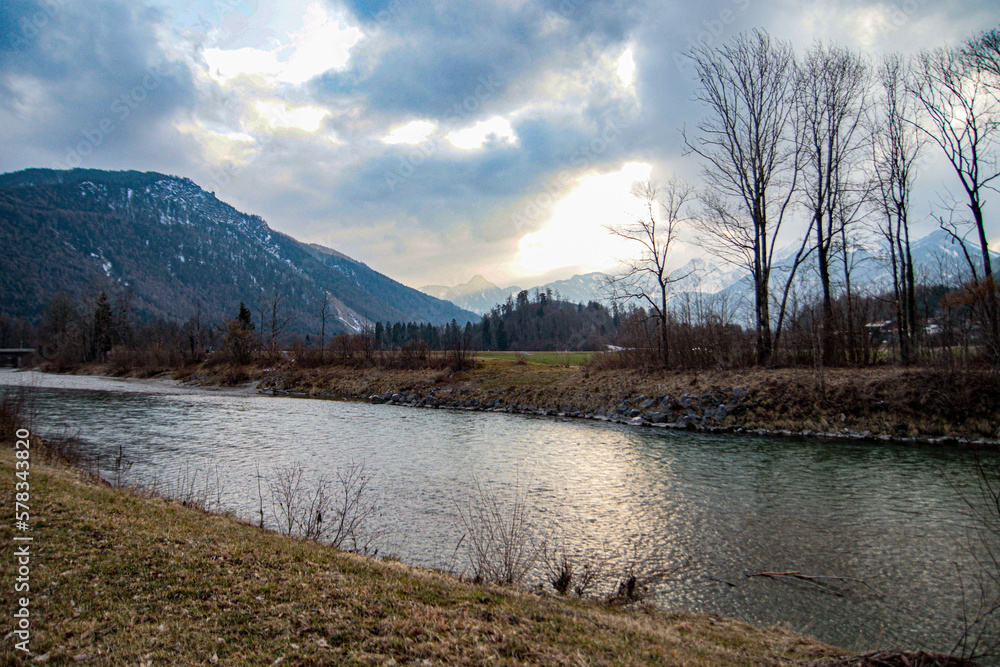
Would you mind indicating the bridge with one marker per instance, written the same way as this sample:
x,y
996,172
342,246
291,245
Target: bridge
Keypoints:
x,y
12,356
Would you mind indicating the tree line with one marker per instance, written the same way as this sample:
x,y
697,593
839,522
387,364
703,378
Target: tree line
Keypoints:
x,y
834,138
831,137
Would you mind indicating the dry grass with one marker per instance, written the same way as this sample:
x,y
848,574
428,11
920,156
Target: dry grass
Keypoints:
x,y
910,402
118,579
889,400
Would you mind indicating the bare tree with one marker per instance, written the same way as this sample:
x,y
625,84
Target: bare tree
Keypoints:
x,y
832,89
646,278
749,152
277,320
896,146
963,119
984,52
961,114
323,314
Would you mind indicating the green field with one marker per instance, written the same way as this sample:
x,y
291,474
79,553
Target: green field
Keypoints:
x,y
547,358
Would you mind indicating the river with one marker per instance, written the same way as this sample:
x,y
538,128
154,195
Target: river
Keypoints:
x,y
887,519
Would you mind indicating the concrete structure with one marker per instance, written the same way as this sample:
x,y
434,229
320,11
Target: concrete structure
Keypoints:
x,y
13,356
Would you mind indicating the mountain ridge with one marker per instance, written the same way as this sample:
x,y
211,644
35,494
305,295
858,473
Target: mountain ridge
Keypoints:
x,y
177,249
710,277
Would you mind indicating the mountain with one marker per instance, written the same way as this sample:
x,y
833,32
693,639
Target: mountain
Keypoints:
x,y
581,288
937,258
478,295
174,248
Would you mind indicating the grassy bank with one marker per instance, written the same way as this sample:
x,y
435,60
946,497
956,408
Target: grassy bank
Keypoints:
x,y
891,401
121,579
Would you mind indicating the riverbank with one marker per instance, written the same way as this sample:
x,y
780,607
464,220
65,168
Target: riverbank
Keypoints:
x,y
118,578
887,403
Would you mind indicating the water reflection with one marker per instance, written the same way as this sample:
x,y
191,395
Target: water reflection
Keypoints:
x,y
883,515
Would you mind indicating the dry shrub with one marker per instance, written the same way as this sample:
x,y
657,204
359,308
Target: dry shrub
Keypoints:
x,y
121,360
64,447
640,576
159,358
234,375
502,542
304,356
14,413
578,573
340,511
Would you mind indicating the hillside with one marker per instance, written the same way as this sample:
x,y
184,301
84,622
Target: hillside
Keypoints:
x,y
175,247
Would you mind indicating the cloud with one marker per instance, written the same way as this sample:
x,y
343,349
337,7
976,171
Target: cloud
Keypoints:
x,y
427,61
427,139
323,43
414,133
86,81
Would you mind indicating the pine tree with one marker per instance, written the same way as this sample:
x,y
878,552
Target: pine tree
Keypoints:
x,y
245,317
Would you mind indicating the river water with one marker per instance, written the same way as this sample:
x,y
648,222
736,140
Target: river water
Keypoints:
x,y
887,518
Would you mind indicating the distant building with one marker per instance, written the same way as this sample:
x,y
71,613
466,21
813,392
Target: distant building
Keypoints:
x,y
15,356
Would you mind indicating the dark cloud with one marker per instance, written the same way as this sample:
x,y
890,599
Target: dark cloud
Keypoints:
x,y
434,62
69,68
84,82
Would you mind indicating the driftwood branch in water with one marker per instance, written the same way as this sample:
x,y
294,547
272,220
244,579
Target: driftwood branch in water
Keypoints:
x,y
810,579
798,575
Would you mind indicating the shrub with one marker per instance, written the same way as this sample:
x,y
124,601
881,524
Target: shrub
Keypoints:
x,y
501,541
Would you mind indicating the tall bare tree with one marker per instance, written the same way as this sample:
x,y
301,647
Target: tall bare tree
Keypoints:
x,y
896,146
647,277
278,319
324,312
832,93
961,114
749,151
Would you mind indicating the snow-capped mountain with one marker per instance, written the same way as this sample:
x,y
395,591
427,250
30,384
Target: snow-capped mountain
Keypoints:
x,y
937,258
478,295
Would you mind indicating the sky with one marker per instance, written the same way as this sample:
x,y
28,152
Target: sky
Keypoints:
x,y
431,140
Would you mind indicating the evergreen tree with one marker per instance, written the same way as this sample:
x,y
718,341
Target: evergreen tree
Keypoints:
x,y
245,318
487,334
501,336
